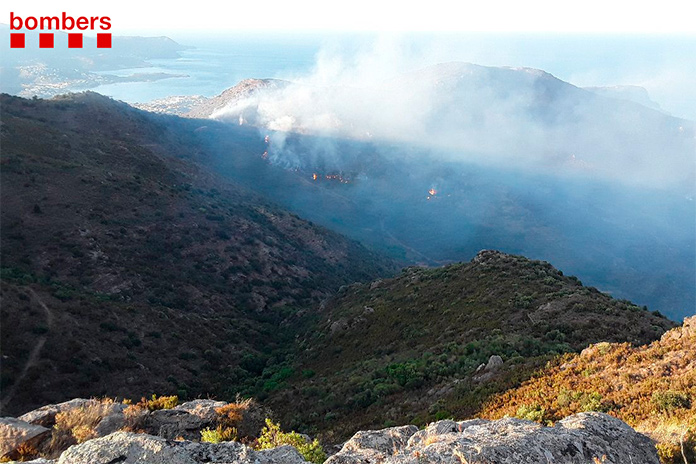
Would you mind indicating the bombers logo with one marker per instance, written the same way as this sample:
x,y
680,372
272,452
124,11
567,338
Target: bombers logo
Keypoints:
x,y
63,22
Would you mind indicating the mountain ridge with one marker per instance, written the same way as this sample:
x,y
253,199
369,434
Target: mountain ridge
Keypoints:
x,y
433,343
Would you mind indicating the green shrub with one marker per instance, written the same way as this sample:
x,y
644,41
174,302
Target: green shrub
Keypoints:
x,y
668,401
272,437
592,402
532,412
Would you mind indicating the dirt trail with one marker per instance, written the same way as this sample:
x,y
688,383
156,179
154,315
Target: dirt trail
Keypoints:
x,y
35,352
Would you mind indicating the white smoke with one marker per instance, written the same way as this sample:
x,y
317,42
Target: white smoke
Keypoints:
x,y
462,112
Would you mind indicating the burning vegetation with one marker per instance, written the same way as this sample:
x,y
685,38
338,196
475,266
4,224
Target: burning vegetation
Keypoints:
x,y
331,177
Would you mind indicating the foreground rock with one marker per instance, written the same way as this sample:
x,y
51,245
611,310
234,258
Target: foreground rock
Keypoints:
x,y
109,414
15,433
373,446
131,448
581,438
46,415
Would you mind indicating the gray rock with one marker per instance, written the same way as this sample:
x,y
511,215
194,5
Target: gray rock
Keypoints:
x,y
46,415
174,423
279,455
15,433
205,409
338,326
36,461
687,330
424,436
113,421
468,423
577,439
132,448
113,418
373,446
494,362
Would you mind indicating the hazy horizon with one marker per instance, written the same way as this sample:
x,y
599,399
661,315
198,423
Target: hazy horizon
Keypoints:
x,y
660,63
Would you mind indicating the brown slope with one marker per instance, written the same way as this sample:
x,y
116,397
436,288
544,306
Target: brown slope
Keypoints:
x,y
651,387
162,276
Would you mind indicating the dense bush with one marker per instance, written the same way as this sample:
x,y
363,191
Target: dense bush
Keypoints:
x,y
272,437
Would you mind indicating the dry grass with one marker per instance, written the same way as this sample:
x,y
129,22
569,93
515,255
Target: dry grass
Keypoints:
x,y
157,402
652,388
77,425
219,434
231,414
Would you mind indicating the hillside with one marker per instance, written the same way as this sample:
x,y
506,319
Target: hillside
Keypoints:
x,y
128,268
519,160
435,343
520,117
651,387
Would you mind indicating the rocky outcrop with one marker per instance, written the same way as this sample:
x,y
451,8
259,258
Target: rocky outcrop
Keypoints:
x,y
685,332
240,99
581,438
39,461
173,424
204,409
173,437
15,433
486,371
485,257
373,446
131,448
46,415
111,413
427,435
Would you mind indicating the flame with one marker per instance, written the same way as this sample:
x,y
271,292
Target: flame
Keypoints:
x,y
315,176
432,192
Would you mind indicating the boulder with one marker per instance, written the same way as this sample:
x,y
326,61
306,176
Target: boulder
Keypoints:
x,y
205,409
38,461
685,332
486,371
174,423
581,438
494,362
15,433
131,448
112,413
373,446
422,437
46,415
113,421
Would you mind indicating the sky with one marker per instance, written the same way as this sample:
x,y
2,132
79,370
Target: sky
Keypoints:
x,y
567,38
588,16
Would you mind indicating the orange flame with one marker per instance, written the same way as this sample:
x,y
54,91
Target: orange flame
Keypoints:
x,y
315,176
432,192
